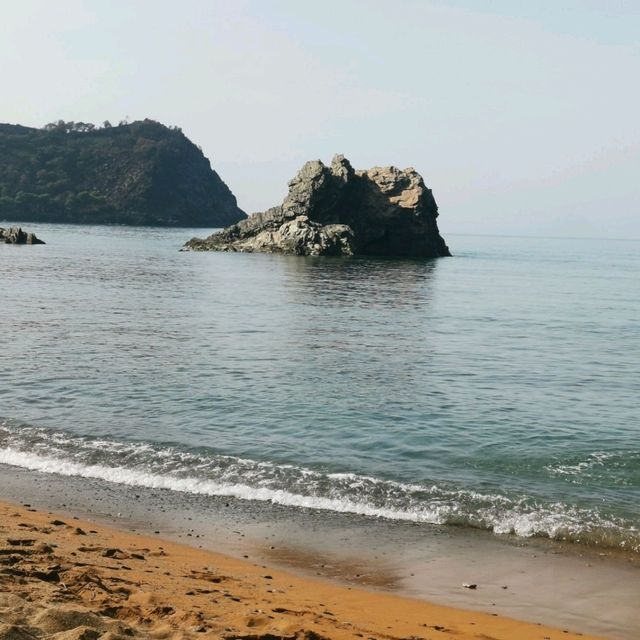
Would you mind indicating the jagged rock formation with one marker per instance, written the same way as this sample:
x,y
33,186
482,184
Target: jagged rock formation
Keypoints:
x,y
339,211
15,235
141,173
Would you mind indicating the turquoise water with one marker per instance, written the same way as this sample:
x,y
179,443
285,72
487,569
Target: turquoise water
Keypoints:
x,y
497,389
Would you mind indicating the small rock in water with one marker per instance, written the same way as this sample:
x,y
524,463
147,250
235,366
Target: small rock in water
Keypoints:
x,y
15,235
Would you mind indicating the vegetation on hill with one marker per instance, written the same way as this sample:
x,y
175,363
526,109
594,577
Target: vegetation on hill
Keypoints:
x,y
142,173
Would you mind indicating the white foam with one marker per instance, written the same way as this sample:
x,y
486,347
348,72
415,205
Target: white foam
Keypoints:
x,y
393,501
132,477
593,460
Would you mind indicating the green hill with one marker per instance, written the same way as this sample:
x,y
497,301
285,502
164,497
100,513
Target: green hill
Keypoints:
x,y
142,173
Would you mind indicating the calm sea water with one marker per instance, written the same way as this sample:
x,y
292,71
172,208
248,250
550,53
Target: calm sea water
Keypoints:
x,y
497,389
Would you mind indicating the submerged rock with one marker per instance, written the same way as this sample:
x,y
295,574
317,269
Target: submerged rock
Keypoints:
x,y
15,235
336,210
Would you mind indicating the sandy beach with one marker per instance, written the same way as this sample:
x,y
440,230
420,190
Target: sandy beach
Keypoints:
x,y
319,320
69,578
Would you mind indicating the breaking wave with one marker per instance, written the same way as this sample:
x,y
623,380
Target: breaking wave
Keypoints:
x,y
154,466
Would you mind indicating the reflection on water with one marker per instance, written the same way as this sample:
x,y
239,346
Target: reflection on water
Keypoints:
x,y
360,282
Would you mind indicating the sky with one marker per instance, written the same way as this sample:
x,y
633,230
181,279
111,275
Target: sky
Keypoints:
x,y
523,117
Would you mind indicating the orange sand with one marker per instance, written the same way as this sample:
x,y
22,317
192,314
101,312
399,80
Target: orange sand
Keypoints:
x,y
75,580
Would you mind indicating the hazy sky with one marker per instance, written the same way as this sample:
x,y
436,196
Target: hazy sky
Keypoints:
x,y
524,117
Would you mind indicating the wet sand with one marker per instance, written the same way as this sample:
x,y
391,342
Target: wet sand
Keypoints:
x,y
74,579
567,586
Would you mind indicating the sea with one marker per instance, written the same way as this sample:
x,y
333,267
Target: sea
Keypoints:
x,y
496,390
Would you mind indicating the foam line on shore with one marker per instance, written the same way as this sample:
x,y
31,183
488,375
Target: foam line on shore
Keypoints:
x,y
340,493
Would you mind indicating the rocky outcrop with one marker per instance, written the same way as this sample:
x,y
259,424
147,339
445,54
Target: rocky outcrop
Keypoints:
x,y
142,173
336,210
15,235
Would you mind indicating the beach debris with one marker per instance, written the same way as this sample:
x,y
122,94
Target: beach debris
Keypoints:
x,y
469,585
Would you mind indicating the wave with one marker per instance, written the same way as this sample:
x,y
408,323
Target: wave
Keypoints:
x,y
140,464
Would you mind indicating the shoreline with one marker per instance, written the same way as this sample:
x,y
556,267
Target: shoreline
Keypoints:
x,y
592,592
65,563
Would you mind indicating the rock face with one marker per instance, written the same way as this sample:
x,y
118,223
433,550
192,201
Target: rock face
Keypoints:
x,y
336,210
15,235
141,173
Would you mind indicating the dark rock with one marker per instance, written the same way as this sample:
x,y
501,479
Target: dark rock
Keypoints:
x,y
15,235
339,211
142,173
47,576
115,553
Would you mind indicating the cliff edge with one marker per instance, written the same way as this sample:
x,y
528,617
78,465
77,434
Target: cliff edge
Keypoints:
x,y
142,173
